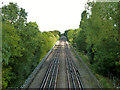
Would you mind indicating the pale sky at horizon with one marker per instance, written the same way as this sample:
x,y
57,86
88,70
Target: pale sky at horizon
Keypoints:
x,y
52,14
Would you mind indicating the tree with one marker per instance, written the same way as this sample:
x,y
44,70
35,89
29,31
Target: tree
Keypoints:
x,y
23,45
13,14
99,35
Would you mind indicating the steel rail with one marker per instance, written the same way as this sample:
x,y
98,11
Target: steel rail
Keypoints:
x,y
73,71
57,65
56,75
69,86
53,72
47,74
50,79
78,75
78,81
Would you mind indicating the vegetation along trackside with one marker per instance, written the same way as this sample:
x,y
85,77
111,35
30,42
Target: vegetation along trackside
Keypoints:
x,y
24,45
98,38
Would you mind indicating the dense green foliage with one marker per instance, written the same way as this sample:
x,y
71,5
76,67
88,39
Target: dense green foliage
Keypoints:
x,y
99,36
23,45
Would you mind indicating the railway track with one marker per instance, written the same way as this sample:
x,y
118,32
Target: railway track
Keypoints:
x,y
60,71
50,78
51,75
73,75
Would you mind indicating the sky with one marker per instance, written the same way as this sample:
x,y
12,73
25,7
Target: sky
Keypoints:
x,y
52,14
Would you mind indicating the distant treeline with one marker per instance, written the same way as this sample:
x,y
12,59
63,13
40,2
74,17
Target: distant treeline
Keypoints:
x,y
23,45
98,36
